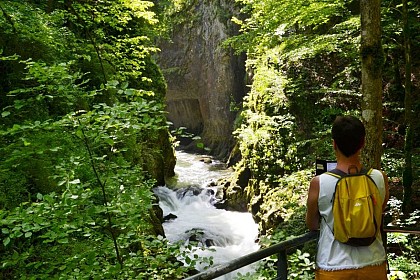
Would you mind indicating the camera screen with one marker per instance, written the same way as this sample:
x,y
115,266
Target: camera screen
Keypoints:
x,y
322,166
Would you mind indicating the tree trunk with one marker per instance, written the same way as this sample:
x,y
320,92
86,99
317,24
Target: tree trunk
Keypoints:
x,y
372,61
408,145
50,6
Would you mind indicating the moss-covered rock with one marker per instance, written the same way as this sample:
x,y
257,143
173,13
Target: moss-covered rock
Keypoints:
x,y
271,204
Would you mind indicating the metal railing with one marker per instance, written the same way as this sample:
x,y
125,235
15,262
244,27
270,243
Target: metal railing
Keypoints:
x,y
280,249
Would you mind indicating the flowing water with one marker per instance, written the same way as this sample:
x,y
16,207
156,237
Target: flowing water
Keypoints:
x,y
190,199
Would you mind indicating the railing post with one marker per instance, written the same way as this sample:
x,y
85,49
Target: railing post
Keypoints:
x,y
282,265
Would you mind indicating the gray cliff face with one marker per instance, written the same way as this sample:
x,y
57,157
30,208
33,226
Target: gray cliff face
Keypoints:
x,y
203,77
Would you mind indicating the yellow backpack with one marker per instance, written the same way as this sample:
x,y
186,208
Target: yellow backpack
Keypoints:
x,y
357,208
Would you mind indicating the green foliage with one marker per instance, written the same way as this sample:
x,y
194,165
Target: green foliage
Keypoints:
x,y
33,142
40,96
79,213
282,205
83,135
267,143
299,264
82,126
120,38
31,33
304,61
174,13
271,21
304,66
404,261
308,58
62,236
52,151
393,162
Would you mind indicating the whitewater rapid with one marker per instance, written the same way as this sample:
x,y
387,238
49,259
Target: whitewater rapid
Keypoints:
x,y
190,199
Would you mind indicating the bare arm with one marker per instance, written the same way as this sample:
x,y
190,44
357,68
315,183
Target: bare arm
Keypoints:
x,y
312,212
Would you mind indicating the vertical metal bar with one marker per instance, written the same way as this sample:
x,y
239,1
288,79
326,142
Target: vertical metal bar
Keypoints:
x,y
282,265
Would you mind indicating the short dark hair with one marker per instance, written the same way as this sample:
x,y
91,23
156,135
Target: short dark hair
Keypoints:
x,y
348,133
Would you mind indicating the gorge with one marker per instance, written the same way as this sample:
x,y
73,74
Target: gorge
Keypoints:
x,y
205,80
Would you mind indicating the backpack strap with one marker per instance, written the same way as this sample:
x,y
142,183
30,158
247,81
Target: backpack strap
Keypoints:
x,y
337,173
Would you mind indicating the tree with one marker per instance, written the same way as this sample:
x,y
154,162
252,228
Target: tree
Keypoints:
x,y
408,144
82,131
372,61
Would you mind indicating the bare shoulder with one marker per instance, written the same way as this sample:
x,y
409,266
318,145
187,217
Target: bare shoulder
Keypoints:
x,y
314,185
313,191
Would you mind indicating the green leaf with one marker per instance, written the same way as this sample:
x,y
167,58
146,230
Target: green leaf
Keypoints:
x,y
109,141
113,83
79,133
6,241
62,182
16,127
63,241
62,267
25,142
5,114
28,234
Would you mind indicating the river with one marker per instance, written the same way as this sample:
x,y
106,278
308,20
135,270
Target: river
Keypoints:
x,y
190,198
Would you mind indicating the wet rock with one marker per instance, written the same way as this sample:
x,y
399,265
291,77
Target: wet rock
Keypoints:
x,y
169,217
190,191
209,242
207,160
195,235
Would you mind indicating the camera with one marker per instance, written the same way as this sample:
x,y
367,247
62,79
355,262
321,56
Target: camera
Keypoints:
x,y
322,166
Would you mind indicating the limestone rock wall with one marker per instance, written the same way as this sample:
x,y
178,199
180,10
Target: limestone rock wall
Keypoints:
x,y
204,78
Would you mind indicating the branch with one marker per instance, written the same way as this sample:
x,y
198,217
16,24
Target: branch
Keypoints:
x,y
89,35
102,185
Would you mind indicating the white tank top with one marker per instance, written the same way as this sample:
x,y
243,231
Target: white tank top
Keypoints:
x,y
332,254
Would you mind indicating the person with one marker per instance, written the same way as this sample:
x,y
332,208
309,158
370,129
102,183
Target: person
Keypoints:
x,y
335,260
